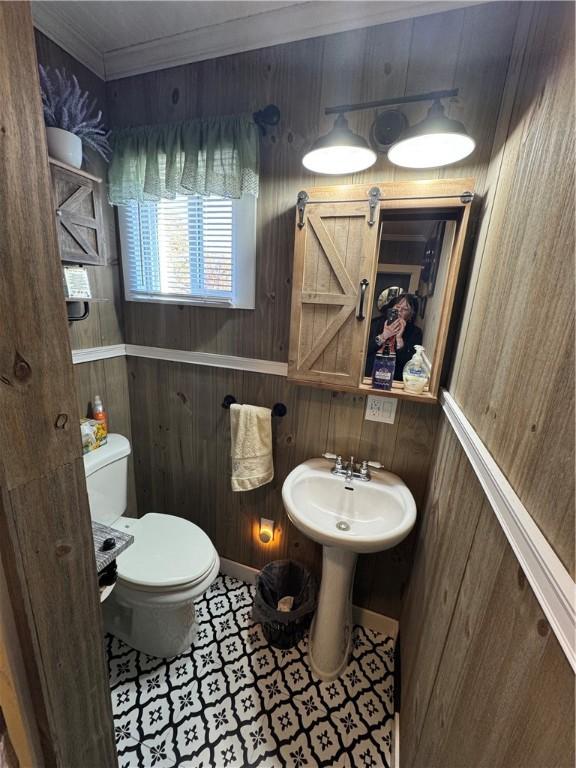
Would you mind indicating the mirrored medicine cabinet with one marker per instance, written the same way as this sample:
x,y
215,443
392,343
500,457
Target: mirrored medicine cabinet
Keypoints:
x,y
375,273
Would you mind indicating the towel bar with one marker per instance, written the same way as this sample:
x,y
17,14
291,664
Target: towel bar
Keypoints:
x,y
278,409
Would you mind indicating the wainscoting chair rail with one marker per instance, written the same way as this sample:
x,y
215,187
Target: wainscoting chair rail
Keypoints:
x,y
552,584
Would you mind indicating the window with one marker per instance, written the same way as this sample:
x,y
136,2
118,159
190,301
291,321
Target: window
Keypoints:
x,y
190,250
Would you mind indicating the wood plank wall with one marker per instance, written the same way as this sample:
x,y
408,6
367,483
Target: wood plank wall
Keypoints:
x,y
518,389
182,439
105,325
181,448
46,544
485,683
303,78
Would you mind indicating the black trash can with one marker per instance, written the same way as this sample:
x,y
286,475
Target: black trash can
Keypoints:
x,y
282,578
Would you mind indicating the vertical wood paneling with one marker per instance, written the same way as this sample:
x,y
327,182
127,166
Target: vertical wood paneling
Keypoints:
x,y
486,683
303,78
46,543
481,69
105,325
446,529
182,439
180,466
17,711
498,646
514,375
426,70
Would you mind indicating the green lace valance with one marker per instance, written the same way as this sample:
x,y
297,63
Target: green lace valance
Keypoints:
x,y
211,156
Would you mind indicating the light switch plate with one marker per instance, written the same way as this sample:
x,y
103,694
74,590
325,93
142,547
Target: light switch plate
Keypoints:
x,y
381,409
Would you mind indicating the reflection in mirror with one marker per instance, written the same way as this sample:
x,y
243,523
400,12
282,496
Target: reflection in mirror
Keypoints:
x,y
413,267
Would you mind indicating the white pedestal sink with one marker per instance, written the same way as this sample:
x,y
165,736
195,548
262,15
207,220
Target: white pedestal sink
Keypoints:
x,y
347,518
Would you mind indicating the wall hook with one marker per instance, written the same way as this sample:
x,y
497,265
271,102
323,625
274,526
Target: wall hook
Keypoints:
x,y
269,116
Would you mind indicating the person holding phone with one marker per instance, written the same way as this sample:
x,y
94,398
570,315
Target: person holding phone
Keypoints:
x,y
396,328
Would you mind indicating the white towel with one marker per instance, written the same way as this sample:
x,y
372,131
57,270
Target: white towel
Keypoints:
x,y
251,449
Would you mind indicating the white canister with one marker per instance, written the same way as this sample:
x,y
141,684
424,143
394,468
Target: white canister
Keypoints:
x,y
64,146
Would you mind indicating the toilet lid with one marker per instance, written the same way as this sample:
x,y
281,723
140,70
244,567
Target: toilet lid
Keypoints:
x,y
167,551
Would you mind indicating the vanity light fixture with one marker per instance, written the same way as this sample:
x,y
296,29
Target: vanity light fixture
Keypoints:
x,y
435,141
339,152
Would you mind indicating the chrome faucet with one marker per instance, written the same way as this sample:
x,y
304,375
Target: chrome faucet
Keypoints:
x,y
349,471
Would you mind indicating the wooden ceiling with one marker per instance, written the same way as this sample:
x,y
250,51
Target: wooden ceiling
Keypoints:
x,y
117,38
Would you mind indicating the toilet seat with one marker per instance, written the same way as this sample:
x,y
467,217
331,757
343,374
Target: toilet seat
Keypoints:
x,y
168,554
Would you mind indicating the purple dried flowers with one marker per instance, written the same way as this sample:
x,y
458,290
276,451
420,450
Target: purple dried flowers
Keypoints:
x,y
67,107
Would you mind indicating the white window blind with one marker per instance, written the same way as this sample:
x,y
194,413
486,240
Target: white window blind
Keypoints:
x,y
197,250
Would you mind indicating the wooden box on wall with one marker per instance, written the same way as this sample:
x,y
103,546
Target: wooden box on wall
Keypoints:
x,y
338,231
78,209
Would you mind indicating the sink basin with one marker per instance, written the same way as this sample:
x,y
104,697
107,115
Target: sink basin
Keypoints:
x,y
361,516
347,518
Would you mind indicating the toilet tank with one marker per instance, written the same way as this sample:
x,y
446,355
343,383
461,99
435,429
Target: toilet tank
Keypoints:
x,y
107,479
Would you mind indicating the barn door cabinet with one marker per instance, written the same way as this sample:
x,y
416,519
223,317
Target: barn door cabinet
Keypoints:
x,y
337,264
78,210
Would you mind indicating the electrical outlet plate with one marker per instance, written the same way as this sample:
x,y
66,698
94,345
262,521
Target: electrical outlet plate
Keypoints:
x,y
381,409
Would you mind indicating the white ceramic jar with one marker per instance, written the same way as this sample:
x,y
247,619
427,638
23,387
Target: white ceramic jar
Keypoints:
x,y
64,146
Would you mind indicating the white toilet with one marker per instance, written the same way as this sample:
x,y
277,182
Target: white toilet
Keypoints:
x,y
169,565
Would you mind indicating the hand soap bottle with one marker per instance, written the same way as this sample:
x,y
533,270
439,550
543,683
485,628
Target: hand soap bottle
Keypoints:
x,y
415,373
98,412
383,370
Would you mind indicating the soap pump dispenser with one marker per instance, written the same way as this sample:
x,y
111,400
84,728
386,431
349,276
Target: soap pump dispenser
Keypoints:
x,y
98,412
416,373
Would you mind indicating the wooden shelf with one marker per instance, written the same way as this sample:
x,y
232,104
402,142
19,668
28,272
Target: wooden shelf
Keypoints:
x,y
399,391
71,168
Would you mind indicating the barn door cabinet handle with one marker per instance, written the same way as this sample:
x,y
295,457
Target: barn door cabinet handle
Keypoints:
x,y
363,285
301,207
373,200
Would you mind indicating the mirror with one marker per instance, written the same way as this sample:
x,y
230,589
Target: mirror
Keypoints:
x,y
411,280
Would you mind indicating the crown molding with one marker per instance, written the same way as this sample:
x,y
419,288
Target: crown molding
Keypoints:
x,y
52,23
287,24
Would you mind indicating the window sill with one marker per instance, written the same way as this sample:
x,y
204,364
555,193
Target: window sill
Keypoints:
x,y
188,301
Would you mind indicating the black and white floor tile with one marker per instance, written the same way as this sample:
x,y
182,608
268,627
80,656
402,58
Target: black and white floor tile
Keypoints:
x,y
233,701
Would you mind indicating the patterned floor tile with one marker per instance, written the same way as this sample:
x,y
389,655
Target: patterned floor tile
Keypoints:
x,y
258,739
133,756
191,736
158,751
350,725
233,701
124,697
298,754
126,731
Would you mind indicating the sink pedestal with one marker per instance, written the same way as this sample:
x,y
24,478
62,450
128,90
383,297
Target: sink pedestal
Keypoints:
x,y
347,519
331,631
